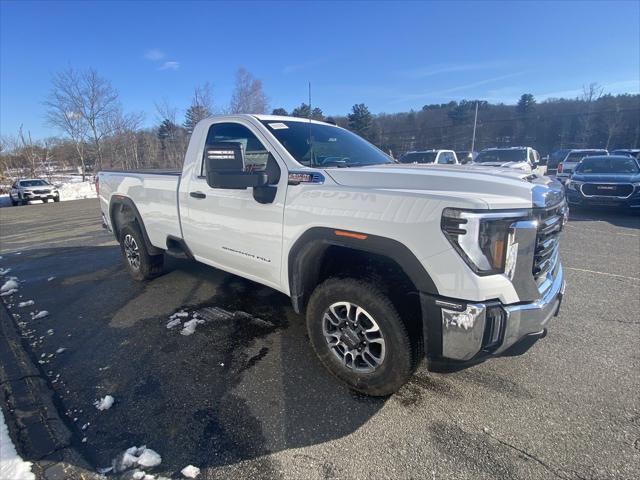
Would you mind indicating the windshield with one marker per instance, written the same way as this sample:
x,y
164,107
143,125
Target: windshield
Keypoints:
x,y
33,183
419,157
608,165
317,145
577,156
501,156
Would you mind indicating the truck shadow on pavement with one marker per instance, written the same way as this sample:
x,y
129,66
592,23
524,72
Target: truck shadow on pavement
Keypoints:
x,y
625,219
243,385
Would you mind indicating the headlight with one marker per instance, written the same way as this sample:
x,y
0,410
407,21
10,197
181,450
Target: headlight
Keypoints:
x,y
485,240
573,185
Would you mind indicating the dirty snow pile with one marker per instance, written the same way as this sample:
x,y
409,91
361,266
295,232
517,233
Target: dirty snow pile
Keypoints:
x,y
77,190
104,403
190,471
142,457
11,465
9,287
189,326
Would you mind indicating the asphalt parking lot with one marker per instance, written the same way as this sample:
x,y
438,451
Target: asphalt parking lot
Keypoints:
x,y
244,396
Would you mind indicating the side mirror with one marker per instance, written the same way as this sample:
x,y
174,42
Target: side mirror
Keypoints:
x,y
224,163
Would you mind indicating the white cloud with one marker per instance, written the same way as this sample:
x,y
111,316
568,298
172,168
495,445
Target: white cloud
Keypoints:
x,y
439,93
614,88
450,68
170,66
154,55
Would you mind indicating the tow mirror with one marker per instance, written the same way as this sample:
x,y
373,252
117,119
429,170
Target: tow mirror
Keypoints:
x,y
224,164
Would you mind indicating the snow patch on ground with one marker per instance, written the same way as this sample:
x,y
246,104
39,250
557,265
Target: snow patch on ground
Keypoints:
x,y
190,471
28,303
4,271
9,285
11,465
135,457
39,315
189,327
104,403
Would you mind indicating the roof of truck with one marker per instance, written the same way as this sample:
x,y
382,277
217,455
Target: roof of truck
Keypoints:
x,y
283,118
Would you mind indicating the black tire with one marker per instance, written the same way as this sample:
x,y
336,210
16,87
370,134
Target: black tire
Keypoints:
x,y
13,202
399,359
56,199
135,255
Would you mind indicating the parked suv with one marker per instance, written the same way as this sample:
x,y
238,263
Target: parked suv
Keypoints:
x,y
24,191
610,180
442,157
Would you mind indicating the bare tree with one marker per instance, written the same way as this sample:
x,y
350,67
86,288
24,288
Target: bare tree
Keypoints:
x,y
590,95
62,113
30,151
248,96
80,104
201,106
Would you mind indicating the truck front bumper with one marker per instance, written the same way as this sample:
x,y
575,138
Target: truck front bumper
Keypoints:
x,y
462,331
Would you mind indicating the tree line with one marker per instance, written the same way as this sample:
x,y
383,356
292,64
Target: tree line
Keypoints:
x,y
96,132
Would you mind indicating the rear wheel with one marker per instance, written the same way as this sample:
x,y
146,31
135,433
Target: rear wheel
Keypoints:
x,y
141,265
359,336
56,199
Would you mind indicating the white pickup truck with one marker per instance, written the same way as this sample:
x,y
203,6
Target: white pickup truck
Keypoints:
x,y
388,262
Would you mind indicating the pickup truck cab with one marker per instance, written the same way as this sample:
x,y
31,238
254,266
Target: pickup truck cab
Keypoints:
x,y
387,262
439,157
525,159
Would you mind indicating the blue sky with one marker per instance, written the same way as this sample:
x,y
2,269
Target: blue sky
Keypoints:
x,y
392,56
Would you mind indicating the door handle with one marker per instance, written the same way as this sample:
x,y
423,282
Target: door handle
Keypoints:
x,y
197,195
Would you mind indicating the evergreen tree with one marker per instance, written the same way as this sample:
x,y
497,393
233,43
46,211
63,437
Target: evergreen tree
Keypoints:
x,y
526,104
194,114
303,112
361,121
279,111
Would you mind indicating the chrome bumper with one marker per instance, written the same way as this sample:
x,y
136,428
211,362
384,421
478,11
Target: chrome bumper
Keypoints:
x,y
472,329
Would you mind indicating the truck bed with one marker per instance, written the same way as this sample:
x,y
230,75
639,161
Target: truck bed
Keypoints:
x,y
154,193
150,171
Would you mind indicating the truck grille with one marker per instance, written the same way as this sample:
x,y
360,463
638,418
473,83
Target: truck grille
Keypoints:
x,y
550,223
40,192
607,190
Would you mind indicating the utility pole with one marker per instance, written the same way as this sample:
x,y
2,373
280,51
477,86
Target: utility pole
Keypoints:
x,y
475,123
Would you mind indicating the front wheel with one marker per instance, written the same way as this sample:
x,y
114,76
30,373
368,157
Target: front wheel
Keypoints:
x,y
141,265
359,336
56,199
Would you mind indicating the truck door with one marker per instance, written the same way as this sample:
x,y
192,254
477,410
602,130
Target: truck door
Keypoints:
x,y
228,228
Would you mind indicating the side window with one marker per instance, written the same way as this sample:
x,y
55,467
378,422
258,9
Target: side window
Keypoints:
x,y
255,154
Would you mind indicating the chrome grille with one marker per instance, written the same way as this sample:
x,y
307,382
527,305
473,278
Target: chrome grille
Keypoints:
x,y
550,223
607,189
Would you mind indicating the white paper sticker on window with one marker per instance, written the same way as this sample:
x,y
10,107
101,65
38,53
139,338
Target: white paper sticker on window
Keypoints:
x,y
278,126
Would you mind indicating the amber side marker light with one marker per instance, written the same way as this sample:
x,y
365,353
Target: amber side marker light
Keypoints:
x,y
357,236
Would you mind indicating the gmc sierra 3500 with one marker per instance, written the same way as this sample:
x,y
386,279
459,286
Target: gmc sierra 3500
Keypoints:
x,y
388,262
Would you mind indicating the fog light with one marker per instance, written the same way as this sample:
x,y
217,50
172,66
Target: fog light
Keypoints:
x,y
494,328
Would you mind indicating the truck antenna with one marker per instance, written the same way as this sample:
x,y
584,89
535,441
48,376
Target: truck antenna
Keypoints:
x,y
309,135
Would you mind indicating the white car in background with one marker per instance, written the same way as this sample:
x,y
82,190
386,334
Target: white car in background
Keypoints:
x,y
441,157
24,191
573,158
525,159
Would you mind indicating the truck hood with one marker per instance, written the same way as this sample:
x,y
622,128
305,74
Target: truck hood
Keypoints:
x,y
472,186
524,166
